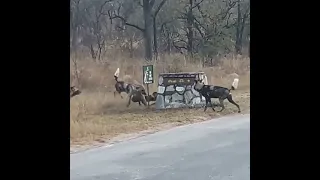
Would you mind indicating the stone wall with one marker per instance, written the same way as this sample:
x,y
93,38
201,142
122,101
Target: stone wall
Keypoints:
x,y
174,96
175,90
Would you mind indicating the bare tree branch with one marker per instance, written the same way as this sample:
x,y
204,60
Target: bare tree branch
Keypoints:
x,y
179,47
103,4
113,15
151,3
126,23
227,22
196,25
197,4
164,24
140,3
201,25
181,40
159,8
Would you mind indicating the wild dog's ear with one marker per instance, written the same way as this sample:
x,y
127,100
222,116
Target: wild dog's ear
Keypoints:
x,y
196,81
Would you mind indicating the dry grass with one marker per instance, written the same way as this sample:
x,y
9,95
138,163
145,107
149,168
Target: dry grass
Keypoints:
x,y
96,115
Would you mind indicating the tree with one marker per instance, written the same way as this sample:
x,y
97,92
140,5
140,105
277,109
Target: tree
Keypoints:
x,y
203,28
189,17
147,6
154,16
243,9
75,23
207,24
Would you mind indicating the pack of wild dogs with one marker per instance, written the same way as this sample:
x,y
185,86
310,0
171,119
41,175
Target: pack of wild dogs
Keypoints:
x,y
137,93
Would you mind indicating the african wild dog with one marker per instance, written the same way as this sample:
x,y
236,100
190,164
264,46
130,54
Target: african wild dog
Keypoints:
x,y
121,86
74,91
139,99
137,94
211,91
152,97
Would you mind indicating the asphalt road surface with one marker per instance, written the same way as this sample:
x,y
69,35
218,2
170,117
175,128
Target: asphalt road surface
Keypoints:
x,y
218,149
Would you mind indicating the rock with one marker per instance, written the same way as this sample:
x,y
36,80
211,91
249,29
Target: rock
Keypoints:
x,y
196,93
180,89
196,100
161,89
170,88
177,98
188,87
160,102
188,97
167,100
176,105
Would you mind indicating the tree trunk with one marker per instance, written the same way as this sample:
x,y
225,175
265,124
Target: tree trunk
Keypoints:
x,y
92,52
155,42
237,45
169,43
240,28
190,29
147,29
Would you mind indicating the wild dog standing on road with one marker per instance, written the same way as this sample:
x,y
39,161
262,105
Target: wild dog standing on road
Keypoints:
x,y
211,91
74,91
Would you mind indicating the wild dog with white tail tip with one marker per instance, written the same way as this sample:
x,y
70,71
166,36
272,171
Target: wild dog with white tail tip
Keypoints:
x,y
120,86
136,92
211,91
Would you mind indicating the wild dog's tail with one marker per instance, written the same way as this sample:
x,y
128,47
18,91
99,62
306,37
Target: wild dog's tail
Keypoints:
x,y
116,74
235,83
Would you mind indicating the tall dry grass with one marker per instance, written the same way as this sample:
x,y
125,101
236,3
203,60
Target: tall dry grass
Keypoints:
x,y
95,76
96,113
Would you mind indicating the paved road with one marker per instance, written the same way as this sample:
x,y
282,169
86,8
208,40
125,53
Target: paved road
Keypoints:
x,y
217,150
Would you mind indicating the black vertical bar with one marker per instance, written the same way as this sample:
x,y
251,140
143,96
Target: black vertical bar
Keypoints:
x,y
148,93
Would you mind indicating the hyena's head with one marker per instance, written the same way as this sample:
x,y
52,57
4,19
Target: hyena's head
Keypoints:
x,y
74,91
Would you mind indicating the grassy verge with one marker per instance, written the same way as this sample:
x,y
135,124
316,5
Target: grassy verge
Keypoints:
x,y
96,116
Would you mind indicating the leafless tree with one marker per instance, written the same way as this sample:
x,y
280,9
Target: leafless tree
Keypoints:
x,y
200,28
148,16
243,15
154,16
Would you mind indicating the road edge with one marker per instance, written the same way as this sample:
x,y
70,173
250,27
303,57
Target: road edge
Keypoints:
x,y
128,137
